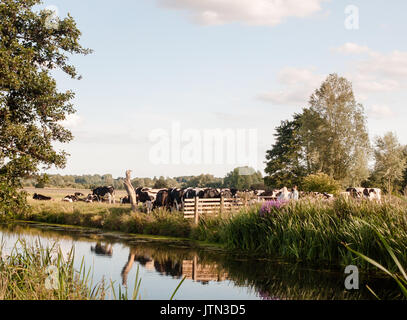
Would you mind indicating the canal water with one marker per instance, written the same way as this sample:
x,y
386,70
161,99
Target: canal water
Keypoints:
x,y
211,274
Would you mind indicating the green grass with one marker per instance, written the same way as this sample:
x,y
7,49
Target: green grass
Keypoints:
x,y
313,231
400,277
25,275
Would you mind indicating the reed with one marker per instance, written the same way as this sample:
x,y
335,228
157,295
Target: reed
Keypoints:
x,y
313,231
399,277
25,274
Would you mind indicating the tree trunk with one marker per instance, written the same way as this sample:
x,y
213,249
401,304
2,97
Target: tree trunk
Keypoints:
x,y
130,191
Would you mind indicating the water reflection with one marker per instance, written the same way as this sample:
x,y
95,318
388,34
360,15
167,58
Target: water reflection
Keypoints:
x,y
102,249
210,273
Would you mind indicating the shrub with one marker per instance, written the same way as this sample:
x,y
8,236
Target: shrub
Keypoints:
x,y
320,182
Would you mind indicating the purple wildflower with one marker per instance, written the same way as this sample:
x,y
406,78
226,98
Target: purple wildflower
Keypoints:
x,y
269,206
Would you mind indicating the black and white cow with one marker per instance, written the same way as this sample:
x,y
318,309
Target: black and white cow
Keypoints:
x,y
176,198
70,198
147,196
209,193
41,197
162,199
125,200
102,192
372,194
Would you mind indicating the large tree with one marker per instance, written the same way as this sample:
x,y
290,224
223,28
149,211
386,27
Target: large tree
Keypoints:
x,y
32,46
285,161
340,139
329,136
390,161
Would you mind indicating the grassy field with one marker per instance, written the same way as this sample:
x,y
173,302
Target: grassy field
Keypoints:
x,y
58,194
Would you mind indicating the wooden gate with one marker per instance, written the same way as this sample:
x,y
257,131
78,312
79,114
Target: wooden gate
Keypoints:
x,y
194,208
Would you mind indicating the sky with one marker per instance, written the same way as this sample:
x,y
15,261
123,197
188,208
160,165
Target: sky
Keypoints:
x,y
166,74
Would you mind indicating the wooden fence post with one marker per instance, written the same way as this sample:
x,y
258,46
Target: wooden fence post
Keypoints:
x,y
196,214
222,204
195,268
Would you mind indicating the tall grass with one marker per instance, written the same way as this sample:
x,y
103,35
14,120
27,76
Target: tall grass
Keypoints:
x,y
314,230
24,274
400,277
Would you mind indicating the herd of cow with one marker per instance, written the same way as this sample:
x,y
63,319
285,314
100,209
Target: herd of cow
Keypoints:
x,y
174,198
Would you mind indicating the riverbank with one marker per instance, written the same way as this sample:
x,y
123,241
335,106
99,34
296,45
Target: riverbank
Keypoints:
x,y
309,231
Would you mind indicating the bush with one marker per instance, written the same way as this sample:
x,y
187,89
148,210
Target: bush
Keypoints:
x,y
320,182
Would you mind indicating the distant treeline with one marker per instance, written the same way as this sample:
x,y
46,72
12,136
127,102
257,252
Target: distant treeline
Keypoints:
x,y
234,179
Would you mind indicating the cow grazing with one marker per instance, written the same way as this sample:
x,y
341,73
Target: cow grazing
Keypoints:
x,y
190,193
176,198
40,197
102,192
70,198
372,194
226,193
146,196
162,199
209,193
125,200
375,194
91,198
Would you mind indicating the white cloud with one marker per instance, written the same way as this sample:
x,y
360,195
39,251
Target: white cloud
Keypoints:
x,y
380,112
373,73
392,65
72,121
298,85
251,12
379,71
352,48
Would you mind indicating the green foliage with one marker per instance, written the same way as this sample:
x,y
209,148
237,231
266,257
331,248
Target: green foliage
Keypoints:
x,y
391,161
243,178
160,183
320,182
330,137
31,107
202,181
340,138
12,202
285,160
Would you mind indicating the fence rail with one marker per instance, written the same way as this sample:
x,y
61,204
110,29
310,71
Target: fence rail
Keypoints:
x,y
194,208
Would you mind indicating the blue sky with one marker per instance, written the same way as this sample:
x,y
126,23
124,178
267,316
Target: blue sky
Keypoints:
x,y
207,64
